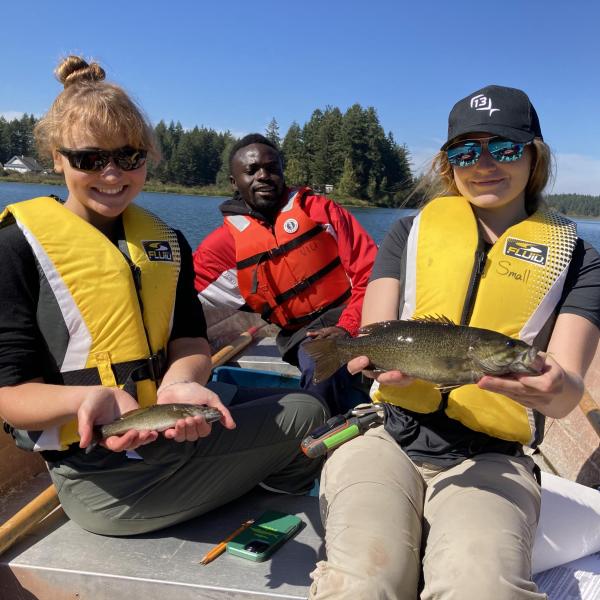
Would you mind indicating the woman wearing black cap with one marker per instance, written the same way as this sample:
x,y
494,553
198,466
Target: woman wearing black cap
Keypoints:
x,y
442,500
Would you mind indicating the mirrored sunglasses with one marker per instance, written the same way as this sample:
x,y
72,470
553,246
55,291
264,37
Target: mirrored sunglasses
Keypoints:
x,y
126,158
467,152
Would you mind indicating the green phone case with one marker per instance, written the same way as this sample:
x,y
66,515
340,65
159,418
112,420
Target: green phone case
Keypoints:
x,y
263,537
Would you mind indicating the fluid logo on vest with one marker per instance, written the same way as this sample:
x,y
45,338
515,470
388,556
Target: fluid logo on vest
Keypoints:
x,y
158,251
528,251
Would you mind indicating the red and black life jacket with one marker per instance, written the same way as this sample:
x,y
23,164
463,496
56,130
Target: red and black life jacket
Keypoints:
x,y
289,273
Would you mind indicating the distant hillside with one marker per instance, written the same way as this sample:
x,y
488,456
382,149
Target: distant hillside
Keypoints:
x,y
577,205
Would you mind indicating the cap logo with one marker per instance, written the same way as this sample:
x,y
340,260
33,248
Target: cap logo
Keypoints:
x,y
481,102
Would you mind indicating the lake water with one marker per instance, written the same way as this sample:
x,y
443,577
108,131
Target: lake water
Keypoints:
x,y
196,216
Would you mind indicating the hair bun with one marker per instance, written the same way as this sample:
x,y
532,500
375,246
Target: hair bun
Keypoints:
x,y
75,69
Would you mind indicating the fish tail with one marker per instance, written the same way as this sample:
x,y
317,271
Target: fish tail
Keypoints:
x,y
325,354
96,438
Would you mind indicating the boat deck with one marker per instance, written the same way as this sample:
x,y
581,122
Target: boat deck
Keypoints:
x,y
60,561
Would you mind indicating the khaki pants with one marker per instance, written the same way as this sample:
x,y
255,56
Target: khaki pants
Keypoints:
x,y
106,492
394,528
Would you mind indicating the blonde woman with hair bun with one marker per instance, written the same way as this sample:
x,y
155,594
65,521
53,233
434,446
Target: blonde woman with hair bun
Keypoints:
x,y
100,317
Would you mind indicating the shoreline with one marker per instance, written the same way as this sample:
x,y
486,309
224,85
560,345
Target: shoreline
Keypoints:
x,y
156,187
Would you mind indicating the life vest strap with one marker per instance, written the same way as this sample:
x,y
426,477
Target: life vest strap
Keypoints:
x,y
126,372
280,250
297,322
306,283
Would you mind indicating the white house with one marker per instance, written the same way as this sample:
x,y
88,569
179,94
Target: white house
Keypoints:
x,y
23,164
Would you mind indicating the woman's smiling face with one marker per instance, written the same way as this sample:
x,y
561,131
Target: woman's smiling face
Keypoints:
x,y
98,197
490,184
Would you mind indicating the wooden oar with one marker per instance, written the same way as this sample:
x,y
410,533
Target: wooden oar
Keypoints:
x,y
591,410
31,514
242,341
43,504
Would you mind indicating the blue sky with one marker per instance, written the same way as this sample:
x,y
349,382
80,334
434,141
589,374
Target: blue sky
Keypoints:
x,y
235,65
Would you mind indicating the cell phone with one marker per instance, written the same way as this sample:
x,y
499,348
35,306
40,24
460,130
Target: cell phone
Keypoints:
x,y
264,536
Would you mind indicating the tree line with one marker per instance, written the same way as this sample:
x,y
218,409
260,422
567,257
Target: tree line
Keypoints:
x,y
579,205
348,153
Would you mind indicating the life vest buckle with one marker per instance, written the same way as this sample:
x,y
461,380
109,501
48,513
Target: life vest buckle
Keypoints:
x,y
157,365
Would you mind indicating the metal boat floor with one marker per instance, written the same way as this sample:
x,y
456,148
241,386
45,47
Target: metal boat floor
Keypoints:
x,y
61,561
264,355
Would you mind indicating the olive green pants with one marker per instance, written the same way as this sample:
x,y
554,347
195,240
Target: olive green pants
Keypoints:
x,y
107,493
394,529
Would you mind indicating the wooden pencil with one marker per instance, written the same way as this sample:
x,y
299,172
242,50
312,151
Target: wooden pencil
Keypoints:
x,y
221,546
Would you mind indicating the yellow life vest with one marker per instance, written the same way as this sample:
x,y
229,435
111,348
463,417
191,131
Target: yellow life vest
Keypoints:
x,y
101,302
520,283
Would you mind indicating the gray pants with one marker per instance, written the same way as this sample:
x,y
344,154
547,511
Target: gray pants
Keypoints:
x,y
107,493
468,530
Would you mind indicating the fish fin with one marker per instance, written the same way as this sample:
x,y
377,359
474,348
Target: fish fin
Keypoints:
x,y
324,352
135,411
440,387
96,438
375,327
439,319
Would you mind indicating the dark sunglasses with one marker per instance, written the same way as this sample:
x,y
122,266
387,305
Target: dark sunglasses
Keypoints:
x,y
126,158
467,152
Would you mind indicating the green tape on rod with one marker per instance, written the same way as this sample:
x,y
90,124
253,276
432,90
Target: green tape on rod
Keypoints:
x,y
341,436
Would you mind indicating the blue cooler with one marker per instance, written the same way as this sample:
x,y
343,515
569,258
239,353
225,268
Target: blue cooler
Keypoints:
x,y
254,378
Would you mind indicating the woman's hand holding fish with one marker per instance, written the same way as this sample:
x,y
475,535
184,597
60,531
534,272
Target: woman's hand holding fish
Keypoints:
x,y
104,405
543,391
362,363
192,428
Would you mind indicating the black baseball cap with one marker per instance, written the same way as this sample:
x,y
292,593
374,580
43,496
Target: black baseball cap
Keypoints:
x,y
495,109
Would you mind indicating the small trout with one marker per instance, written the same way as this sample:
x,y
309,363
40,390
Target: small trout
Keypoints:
x,y
432,349
157,417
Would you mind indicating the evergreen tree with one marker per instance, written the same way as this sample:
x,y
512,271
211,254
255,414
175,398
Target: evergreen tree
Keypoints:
x,y
310,134
272,132
223,174
327,157
348,184
356,147
294,156
4,141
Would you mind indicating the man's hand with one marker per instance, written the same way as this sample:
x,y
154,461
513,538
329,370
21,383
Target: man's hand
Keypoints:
x,y
192,428
327,332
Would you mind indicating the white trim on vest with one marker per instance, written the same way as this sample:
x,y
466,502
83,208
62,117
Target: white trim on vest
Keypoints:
x,y
290,203
545,309
80,338
239,222
410,278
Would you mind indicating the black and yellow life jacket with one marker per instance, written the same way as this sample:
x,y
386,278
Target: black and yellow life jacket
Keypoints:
x,y
514,290
117,304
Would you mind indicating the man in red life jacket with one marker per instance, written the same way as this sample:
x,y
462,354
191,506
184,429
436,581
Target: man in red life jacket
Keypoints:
x,y
292,256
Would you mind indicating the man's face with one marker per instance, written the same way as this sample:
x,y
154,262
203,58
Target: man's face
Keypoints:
x,y
257,174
